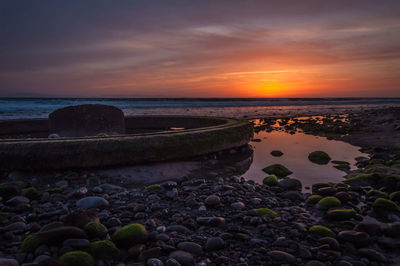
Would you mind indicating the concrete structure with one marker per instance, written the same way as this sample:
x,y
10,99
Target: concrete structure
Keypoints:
x,y
24,144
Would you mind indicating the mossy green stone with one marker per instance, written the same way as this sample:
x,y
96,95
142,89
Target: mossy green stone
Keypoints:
x,y
319,157
322,231
313,199
54,190
341,214
77,258
31,243
153,187
377,193
329,202
130,234
9,190
95,230
271,180
102,135
31,193
103,249
385,204
278,170
395,196
266,211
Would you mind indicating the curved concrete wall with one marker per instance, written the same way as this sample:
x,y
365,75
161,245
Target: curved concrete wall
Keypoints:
x,y
35,154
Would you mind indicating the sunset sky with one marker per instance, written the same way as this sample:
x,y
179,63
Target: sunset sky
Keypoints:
x,y
207,48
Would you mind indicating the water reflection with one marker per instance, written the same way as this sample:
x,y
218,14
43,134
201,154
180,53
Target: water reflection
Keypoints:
x,y
295,148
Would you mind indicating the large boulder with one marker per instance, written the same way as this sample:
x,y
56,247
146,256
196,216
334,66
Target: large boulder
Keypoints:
x,y
87,120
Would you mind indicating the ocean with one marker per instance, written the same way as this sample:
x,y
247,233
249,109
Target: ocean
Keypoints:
x,y
19,108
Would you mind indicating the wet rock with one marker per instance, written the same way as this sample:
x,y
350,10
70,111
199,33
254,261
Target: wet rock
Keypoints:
x,y
17,226
393,229
214,243
276,153
290,184
371,228
282,257
92,202
61,233
319,157
154,262
315,263
76,243
172,262
8,262
212,201
191,247
372,254
150,253
238,205
178,228
183,257
17,200
354,237
333,243
292,195
278,170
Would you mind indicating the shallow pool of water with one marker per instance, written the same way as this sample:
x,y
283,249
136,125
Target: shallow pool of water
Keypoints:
x,y
296,149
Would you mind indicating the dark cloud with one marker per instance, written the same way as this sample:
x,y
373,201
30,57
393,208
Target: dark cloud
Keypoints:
x,y
68,46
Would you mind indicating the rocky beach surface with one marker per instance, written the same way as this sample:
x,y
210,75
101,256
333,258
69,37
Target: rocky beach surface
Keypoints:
x,y
83,218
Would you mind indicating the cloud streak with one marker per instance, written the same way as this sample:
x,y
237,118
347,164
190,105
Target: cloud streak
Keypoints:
x,y
200,48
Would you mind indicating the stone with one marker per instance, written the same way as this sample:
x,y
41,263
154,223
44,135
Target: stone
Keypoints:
x,y
87,120
17,200
154,262
393,229
41,259
354,237
183,257
278,170
191,247
319,157
371,228
372,254
292,195
8,262
92,202
130,234
333,243
58,234
17,226
178,228
238,205
282,257
276,153
150,253
214,243
315,263
290,184
78,243
212,201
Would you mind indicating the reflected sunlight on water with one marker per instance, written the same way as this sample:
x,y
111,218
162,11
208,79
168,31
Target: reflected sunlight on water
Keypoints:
x,y
296,149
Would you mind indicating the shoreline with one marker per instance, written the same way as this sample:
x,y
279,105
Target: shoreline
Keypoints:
x,y
222,219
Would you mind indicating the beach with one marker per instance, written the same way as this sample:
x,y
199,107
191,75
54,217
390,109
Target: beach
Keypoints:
x,y
202,211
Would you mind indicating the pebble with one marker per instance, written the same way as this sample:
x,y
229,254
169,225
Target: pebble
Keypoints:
x,y
76,243
282,257
17,200
212,201
290,184
214,243
238,205
17,226
357,238
191,247
92,202
183,257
